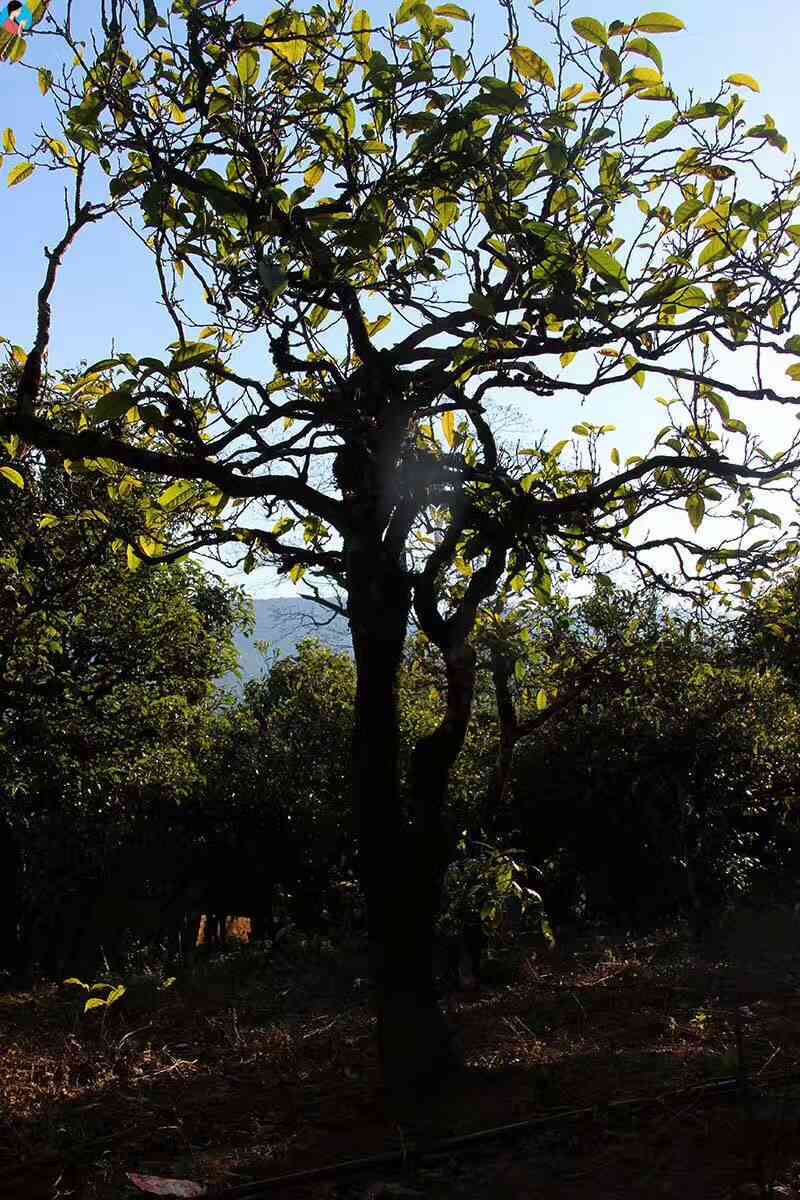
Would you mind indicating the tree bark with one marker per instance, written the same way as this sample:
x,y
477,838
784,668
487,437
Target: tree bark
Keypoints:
x,y
394,859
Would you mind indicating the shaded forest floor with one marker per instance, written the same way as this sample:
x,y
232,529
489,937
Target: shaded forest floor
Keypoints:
x,y
249,1067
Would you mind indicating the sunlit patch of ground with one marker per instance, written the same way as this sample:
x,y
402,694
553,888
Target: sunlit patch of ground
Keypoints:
x,y
250,1067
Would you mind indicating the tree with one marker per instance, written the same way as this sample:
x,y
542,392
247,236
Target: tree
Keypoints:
x,y
108,709
514,216
671,785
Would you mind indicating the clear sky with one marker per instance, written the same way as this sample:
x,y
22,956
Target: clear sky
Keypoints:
x,y
106,290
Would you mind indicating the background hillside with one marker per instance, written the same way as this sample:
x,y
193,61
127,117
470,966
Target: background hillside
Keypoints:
x,y
283,623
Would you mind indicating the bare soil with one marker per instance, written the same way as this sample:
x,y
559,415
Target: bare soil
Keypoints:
x,y
250,1066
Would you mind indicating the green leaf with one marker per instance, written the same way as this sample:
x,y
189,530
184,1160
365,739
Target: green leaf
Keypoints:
x,y
191,354
607,267
9,141
714,250
741,80
362,31
541,700
132,558
648,49
20,173
454,11
555,451
591,30
656,132
109,407
659,22
696,508
248,67
794,372
449,427
94,1001
615,457
176,493
532,66
13,476
687,211
45,79
646,76
347,112
18,50
777,312
611,64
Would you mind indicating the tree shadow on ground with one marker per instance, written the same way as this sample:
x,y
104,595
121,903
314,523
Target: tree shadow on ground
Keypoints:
x,y
225,1084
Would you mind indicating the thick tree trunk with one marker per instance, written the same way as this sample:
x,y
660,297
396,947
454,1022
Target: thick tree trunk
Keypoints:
x,y
394,860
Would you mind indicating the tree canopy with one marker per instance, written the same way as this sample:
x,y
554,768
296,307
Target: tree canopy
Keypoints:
x,y
403,230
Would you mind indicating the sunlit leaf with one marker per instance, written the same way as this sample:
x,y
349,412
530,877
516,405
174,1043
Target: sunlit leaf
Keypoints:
x,y
248,67
696,507
659,22
12,476
742,80
20,173
591,30
362,32
532,66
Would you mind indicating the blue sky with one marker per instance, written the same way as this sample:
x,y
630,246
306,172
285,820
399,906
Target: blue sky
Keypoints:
x,y
106,288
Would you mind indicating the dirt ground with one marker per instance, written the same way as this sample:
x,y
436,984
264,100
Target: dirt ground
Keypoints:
x,y
249,1067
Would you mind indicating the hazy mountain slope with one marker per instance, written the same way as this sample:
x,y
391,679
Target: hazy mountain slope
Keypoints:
x,y
284,623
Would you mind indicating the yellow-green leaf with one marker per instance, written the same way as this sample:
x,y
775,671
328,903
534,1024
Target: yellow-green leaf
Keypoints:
x,y
313,175
362,30
18,50
541,699
347,112
449,427
647,48
532,66
571,92
378,324
696,508
659,22
611,63
607,267
794,372
647,76
591,30
615,456
567,357
12,476
714,250
297,572
134,562
777,312
452,10
45,80
248,67
176,493
9,141
742,80
20,173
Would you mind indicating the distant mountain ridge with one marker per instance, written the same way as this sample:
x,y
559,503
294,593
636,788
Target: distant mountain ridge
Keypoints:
x,y
284,623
